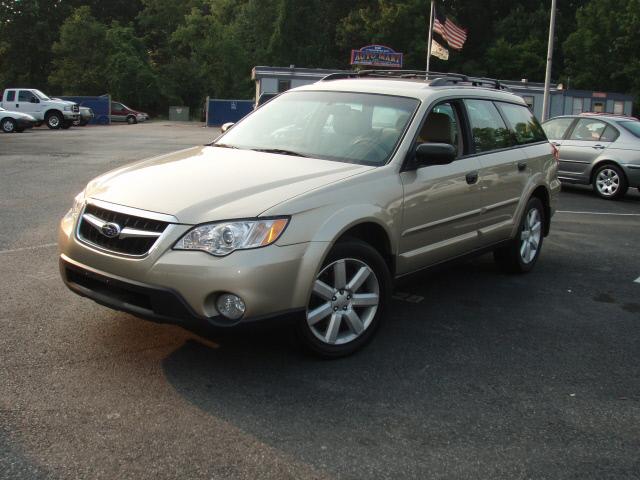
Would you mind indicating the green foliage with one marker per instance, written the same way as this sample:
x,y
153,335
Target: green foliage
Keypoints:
x,y
153,53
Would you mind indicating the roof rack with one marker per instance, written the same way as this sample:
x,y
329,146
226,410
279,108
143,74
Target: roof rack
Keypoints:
x,y
435,79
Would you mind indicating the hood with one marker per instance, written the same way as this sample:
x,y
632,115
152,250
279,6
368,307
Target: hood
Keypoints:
x,y
204,184
59,100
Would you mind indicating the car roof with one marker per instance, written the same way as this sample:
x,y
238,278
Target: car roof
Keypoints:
x,y
420,89
598,116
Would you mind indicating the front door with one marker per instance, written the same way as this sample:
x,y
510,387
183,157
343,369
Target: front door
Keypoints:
x,y
442,203
27,102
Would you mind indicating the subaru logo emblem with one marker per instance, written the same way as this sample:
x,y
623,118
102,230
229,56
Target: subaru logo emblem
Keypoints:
x,y
110,230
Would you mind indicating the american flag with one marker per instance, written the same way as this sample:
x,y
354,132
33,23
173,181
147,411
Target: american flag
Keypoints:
x,y
454,35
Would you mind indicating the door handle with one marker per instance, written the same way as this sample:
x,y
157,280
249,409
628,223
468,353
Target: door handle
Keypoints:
x,y
599,147
522,166
17,105
472,177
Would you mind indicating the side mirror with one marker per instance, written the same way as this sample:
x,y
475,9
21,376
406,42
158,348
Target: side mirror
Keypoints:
x,y
226,126
434,154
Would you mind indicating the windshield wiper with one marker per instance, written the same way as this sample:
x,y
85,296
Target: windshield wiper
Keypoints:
x,y
279,151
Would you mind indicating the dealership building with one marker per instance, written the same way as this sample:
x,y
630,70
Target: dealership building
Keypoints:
x,y
270,80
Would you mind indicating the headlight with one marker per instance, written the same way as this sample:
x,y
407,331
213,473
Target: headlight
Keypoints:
x,y
67,108
222,238
78,204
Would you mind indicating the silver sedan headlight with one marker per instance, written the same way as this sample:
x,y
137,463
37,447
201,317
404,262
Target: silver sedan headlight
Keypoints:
x,y
222,238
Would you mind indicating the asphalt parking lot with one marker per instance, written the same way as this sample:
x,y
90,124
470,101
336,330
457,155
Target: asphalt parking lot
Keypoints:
x,y
476,374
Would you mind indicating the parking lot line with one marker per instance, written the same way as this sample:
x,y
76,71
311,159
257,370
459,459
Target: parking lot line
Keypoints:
x,y
23,249
599,213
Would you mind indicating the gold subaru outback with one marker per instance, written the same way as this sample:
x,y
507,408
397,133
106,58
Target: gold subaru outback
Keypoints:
x,y
311,206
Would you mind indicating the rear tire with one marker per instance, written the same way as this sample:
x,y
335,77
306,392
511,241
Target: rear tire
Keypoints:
x,y
347,303
54,120
8,125
610,182
521,254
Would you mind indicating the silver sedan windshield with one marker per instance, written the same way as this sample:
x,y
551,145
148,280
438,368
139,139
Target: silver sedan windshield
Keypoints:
x,y
342,126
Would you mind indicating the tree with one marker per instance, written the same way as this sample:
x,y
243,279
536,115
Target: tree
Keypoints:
x,y
79,64
603,51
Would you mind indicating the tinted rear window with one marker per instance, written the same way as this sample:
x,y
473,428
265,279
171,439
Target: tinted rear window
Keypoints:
x,y
523,124
488,129
11,95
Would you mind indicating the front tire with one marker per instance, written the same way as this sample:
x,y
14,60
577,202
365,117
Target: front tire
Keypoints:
x,y
131,120
347,302
54,120
521,254
8,125
609,182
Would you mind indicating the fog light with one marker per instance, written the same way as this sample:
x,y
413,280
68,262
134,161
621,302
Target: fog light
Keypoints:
x,y
230,306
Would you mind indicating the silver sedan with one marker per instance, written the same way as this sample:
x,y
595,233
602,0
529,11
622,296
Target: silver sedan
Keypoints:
x,y
600,150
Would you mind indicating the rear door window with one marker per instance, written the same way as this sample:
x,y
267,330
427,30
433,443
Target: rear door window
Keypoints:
x,y
488,130
523,124
11,95
556,128
588,130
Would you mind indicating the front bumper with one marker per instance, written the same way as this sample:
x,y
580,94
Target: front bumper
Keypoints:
x,y
633,175
70,115
171,285
24,123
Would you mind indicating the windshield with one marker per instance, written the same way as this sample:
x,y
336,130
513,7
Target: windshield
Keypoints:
x,y
41,95
343,126
633,127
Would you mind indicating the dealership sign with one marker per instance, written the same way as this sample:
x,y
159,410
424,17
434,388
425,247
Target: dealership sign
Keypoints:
x,y
376,56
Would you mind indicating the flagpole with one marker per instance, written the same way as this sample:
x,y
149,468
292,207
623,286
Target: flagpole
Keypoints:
x,y
547,78
430,38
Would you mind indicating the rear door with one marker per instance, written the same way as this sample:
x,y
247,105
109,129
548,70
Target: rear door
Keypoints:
x,y
585,142
502,169
441,202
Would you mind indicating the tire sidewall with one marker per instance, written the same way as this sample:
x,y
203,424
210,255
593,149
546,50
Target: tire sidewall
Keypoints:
x,y
54,115
361,251
533,202
131,120
622,187
10,121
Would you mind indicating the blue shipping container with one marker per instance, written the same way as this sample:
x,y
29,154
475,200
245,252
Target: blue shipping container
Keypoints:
x,y
220,112
101,107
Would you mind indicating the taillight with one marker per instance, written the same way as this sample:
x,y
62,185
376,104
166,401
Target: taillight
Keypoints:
x,y
555,152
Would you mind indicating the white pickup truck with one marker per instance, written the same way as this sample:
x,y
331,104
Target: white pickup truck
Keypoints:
x,y
54,112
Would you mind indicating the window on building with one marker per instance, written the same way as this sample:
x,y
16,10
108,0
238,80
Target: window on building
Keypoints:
x,y
578,106
618,108
284,85
598,107
488,129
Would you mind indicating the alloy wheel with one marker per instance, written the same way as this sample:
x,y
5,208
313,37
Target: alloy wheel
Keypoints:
x,y
607,182
530,236
344,301
54,121
7,126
